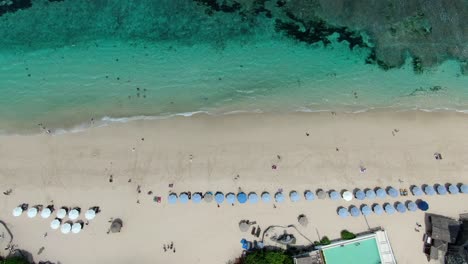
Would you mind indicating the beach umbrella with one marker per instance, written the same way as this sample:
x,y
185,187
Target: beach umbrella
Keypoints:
x,y
334,195
116,225
303,221
354,211
370,194
243,226
441,190
172,198
321,194
76,228
279,197
183,198
423,206
294,196
242,197
378,210
381,193
208,197
61,213
412,206
400,207
360,195
343,212
389,209
46,212
253,198
347,196
416,190
90,214
309,196
429,190
55,224
231,198
464,188
73,214
366,210
453,189
17,211
266,197
219,197
32,212
196,198
65,228
392,192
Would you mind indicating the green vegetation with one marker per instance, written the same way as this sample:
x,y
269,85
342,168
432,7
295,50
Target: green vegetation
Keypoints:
x,y
14,260
268,257
325,241
346,235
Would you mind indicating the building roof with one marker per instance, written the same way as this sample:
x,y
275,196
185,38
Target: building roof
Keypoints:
x,y
444,228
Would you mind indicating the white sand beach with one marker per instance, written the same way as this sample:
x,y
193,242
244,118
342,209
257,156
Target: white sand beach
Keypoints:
x,y
205,153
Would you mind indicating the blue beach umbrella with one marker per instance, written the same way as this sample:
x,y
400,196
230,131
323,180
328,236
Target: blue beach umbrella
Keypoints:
x,y
441,190
334,195
242,197
453,189
266,197
366,210
354,211
172,198
412,206
370,194
309,196
464,188
219,197
231,198
389,209
253,198
294,196
429,190
279,197
392,192
183,198
416,190
343,212
360,195
196,198
400,207
423,206
378,210
381,193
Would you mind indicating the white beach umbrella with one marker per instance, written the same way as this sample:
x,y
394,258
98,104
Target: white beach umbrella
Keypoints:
x,y
65,228
55,224
17,211
32,212
62,213
347,196
46,212
73,214
90,214
76,228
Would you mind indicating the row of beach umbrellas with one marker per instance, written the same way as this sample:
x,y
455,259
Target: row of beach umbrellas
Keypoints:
x,y
67,227
46,212
379,209
232,198
439,189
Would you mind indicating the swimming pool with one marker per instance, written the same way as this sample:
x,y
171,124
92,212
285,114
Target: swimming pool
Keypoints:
x,y
363,251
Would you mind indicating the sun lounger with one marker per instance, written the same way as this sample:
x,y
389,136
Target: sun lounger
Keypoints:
x,y
253,231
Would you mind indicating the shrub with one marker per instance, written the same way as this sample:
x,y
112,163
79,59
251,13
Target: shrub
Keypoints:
x,y
325,241
268,257
346,235
14,260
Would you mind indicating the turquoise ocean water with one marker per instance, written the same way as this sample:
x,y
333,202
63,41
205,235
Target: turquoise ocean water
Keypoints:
x,y
63,64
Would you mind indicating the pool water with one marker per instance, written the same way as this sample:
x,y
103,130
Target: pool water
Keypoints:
x,y
359,252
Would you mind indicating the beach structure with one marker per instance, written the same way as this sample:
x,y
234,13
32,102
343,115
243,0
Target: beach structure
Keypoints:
x,y
392,192
309,196
429,190
370,194
417,191
453,189
381,193
266,197
32,212
172,198
400,207
46,212
366,210
321,194
253,198
464,188
76,228
377,208
65,228
242,197
279,197
412,206
73,214
303,221
208,197
389,209
17,211
294,196
55,224
183,198
343,212
354,211
231,198
90,214
219,197
197,197
422,205
441,190
334,195
360,195
347,196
